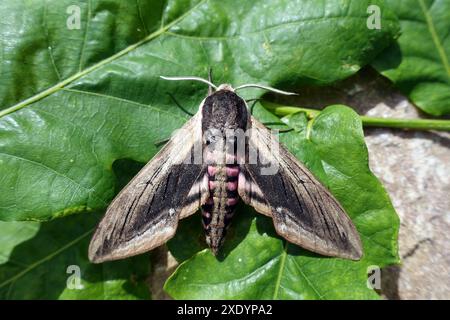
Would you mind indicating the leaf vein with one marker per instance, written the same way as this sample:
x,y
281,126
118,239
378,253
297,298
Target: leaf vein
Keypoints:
x,y
140,17
307,280
56,172
280,271
44,259
435,37
281,25
83,47
96,66
47,37
102,95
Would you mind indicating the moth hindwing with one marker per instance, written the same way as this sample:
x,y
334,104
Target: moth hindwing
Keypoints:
x,y
210,164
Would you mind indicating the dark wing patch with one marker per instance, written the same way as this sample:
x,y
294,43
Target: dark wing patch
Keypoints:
x,y
145,213
304,212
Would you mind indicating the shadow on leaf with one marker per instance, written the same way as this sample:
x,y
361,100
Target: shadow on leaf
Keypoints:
x,y
37,268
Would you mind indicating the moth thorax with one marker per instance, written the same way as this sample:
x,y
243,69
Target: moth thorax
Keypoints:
x,y
224,110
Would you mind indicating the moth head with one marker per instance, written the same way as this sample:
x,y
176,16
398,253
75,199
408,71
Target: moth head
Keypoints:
x,y
228,87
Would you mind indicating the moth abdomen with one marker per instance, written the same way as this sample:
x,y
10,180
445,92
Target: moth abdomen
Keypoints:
x,y
219,209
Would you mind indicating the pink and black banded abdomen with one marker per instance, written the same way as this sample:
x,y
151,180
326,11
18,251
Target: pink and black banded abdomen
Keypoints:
x,y
220,206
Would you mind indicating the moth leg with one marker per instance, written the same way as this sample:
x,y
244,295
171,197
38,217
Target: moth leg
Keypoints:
x,y
278,124
286,130
255,100
161,142
179,105
253,104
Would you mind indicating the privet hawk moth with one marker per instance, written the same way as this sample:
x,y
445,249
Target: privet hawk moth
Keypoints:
x,y
220,155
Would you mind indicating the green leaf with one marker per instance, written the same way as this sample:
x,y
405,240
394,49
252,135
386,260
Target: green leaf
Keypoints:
x,y
82,109
419,63
35,262
76,101
257,264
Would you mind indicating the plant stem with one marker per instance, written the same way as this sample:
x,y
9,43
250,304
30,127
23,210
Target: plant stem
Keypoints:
x,y
417,124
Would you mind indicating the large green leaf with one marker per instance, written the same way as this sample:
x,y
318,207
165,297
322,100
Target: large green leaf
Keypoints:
x,y
419,63
39,260
78,105
103,99
257,264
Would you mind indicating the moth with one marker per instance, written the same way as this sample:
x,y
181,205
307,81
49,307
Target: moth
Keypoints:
x,y
174,185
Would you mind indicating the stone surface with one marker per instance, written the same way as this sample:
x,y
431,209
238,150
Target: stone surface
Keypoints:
x,y
163,265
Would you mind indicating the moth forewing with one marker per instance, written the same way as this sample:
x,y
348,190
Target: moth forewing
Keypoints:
x,y
144,215
304,212
264,152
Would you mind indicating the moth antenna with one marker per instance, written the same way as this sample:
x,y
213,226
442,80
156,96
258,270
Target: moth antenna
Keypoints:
x,y
190,78
252,85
